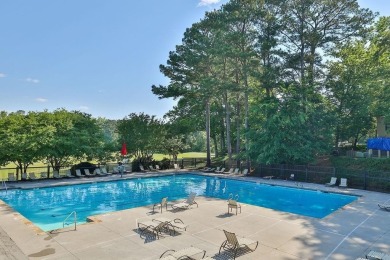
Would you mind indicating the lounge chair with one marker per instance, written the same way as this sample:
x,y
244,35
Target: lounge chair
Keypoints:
x,y
152,226
230,171
292,177
209,170
78,173
31,176
384,206
237,171
233,204
343,183
44,175
377,255
220,171
157,167
69,174
104,171
176,166
56,175
245,172
24,176
98,172
151,168
163,203
234,243
332,182
141,167
11,176
88,173
176,223
187,203
185,253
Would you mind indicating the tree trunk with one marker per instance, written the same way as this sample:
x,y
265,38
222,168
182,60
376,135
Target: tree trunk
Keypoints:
x,y
228,136
208,160
238,143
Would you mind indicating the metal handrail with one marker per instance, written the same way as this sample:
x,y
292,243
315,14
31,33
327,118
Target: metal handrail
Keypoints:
x,y
75,219
4,185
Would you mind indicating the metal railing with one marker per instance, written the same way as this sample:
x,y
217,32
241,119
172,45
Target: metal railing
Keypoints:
x,y
74,221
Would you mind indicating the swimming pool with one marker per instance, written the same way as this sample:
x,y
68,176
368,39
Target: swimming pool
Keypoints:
x,y
48,207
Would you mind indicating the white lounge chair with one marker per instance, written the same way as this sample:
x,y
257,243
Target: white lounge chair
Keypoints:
x,y
99,173
245,172
187,203
332,182
237,171
78,173
230,171
343,183
69,174
31,176
151,168
141,167
104,171
88,173
157,167
11,176
176,166
56,175
43,175
221,171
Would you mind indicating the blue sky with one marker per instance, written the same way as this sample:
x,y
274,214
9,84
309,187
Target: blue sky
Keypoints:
x,y
99,57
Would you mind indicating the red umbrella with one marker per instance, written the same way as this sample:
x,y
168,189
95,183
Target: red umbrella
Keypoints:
x,y
124,149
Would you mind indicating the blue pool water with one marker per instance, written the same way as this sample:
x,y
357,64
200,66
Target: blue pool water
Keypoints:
x,y
48,207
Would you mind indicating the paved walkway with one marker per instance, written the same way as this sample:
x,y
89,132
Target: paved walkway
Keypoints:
x,y
346,234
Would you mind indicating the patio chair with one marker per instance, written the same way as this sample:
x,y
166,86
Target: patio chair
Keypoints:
x,y
43,175
78,173
209,170
176,166
157,167
343,183
220,171
56,175
31,176
187,203
88,173
245,172
69,174
233,204
374,255
384,206
185,253
155,227
104,171
234,243
237,171
176,223
98,172
163,203
11,176
141,167
292,177
151,168
230,171
332,182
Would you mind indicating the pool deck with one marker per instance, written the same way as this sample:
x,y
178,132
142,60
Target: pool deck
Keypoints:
x,y
349,233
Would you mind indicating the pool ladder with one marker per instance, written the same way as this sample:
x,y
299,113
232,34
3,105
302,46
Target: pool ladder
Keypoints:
x,y
75,219
4,184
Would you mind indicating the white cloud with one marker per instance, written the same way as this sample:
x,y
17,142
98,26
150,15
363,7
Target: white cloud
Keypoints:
x,y
42,100
84,108
2,75
31,80
208,2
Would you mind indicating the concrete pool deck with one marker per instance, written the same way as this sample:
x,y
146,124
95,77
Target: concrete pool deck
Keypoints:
x,y
349,233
